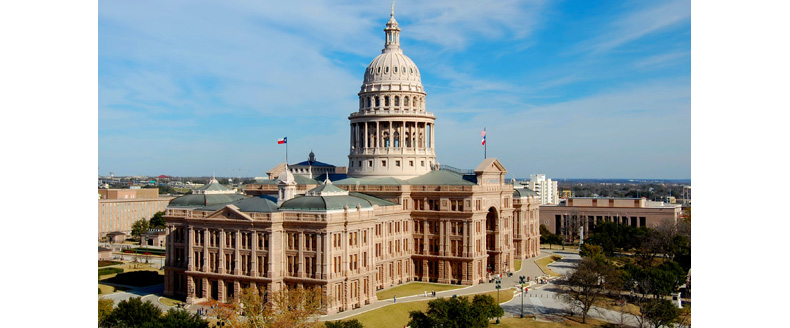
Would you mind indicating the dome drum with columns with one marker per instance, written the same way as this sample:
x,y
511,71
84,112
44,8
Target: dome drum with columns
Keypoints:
x,y
391,135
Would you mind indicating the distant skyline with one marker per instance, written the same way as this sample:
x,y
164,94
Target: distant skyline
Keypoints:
x,y
568,89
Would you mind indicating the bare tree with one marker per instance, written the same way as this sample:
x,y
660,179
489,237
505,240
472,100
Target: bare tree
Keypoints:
x,y
587,284
292,308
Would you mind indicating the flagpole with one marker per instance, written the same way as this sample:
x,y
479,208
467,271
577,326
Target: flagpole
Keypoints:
x,y
485,145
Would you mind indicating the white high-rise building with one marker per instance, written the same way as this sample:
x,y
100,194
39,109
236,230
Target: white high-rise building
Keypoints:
x,y
546,188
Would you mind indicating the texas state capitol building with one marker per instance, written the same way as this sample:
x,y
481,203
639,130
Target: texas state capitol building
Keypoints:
x,y
395,218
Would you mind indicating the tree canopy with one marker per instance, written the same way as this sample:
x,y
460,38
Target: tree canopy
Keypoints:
x,y
139,227
158,220
457,312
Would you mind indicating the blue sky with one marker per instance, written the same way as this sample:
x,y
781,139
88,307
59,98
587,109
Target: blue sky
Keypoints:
x,y
572,89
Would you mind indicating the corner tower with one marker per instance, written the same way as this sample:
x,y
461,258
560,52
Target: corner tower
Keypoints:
x,y
391,135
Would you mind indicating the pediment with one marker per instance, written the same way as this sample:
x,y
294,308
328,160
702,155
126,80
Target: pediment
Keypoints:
x,y
229,212
490,165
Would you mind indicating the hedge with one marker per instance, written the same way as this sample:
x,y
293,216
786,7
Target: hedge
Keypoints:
x,y
105,271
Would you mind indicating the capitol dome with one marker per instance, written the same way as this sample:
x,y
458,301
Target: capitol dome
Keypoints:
x,y
392,66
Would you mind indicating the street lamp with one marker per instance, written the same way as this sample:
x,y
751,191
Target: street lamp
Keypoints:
x,y
522,281
498,287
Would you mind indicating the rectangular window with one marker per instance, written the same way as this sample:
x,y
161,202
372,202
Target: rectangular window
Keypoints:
x,y
397,163
383,163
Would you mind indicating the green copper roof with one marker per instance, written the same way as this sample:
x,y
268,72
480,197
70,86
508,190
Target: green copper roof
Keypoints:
x,y
214,186
370,181
202,200
321,203
251,204
372,199
303,180
440,177
327,187
523,192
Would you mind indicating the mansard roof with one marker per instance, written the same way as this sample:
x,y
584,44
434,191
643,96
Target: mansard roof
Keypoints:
x,y
202,200
440,177
263,204
523,192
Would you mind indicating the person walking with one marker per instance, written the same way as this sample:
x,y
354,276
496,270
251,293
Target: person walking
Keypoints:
x,y
425,292
394,299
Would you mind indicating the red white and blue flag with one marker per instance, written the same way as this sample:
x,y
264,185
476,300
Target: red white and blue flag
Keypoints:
x,y
282,141
483,134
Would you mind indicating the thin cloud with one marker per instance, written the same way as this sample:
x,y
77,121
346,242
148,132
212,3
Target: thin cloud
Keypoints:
x,y
635,25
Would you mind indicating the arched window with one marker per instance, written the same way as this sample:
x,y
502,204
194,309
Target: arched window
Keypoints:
x,y
378,70
415,103
386,69
368,101
406,101
386,139
377,101
397,101
386,101
396,140
396,69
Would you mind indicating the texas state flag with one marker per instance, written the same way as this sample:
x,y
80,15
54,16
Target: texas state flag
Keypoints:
x,y
483,134
282,141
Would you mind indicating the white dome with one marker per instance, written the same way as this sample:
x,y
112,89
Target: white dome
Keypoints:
x,y
392,67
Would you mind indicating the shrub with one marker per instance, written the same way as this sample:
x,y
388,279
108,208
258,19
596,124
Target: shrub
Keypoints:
x,y
106,271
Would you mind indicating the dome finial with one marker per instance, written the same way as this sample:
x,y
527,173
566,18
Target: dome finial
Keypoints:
x,y
392,30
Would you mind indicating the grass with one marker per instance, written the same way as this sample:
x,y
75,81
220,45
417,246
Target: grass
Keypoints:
x,y
169,301
107,263
397,315
516,322
544,262
414,288
517,265
568,248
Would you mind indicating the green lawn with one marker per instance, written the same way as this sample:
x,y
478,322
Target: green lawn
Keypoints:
x,y
516,322
544,262
397,315
169,301
517,265
414,288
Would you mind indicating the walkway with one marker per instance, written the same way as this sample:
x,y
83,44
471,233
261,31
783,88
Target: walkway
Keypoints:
x,y
528,268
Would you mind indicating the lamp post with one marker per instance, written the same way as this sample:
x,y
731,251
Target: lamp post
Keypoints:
x,y
522,281
498,287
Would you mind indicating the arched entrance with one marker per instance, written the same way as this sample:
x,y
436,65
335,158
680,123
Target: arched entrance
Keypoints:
x,y
492,228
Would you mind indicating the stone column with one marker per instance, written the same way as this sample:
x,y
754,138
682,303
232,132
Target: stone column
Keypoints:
x,y
190,252
206,240
300,265
221,254
326,251
221,291
378,136
236,246
465,245
319,256
391,132
254,255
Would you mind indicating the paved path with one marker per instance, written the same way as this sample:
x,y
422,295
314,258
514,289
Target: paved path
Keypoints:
x,y
149,293
528,268
543,303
